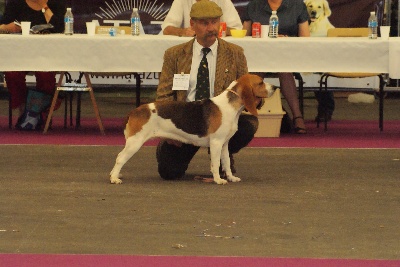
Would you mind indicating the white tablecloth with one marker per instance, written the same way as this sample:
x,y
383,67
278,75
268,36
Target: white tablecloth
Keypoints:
x,y
394,57
103,53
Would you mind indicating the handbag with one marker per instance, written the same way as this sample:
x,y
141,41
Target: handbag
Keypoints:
x,y
36,103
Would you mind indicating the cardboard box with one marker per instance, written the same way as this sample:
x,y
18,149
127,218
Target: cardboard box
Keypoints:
x,y
270,116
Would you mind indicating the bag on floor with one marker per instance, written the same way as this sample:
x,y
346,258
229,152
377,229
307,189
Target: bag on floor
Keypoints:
x,y
36,103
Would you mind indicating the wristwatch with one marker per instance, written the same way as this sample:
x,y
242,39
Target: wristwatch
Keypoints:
x,y
44,9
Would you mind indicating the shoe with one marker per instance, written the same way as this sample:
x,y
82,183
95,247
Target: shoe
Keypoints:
x,y
298,130
321,117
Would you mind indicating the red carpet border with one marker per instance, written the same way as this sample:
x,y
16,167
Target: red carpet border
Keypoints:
x,y
340,134
25,260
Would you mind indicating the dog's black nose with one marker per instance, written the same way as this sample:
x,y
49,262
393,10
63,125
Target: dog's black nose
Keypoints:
x,y
313,13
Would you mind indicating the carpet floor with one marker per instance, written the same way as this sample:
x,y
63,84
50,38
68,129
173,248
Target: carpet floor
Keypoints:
x,y
320,199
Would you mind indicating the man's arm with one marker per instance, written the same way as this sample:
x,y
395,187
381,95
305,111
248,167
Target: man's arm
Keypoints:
x,y
164,88
247,26
171,30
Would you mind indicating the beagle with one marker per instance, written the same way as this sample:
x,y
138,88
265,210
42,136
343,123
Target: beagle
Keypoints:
x,y
206,123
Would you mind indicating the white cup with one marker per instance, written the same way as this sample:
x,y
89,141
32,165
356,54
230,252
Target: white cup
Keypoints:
x,y
91,28
385,31
96,22
264,31
26,27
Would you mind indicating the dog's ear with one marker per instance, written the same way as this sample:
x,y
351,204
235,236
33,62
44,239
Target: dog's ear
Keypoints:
x,y
327,9
252,88
260,90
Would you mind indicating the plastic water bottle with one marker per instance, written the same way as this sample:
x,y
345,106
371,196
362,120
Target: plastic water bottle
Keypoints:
x,y
135,22
68,22
372,26
273,25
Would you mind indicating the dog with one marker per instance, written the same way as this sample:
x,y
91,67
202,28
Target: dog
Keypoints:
x,y
319,11
206,123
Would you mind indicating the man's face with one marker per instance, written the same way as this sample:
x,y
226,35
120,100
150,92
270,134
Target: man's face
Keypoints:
x,y
206,30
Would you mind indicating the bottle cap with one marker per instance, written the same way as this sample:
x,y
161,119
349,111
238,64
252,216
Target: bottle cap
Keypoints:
x,y
274,12
135,9
68,8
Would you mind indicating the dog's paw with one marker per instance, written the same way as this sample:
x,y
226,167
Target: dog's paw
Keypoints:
x,y
115,180
234,179
220,181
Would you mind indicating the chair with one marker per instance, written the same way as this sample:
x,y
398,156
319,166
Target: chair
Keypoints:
x,y
69,86
351,32
88,87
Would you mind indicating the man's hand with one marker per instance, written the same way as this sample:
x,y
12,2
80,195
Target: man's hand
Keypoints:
x,y
11,27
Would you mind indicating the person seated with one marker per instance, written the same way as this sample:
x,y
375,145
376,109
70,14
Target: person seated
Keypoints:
x,y
226,63
31,103
177,21
293,21
2,6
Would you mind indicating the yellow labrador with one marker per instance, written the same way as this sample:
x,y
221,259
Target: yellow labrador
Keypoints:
x,y
319,11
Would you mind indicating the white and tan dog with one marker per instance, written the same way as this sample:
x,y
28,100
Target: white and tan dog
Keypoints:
x,y
319,11
207,123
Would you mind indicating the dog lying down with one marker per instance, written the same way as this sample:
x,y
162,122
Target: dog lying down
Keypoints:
x,y
206,123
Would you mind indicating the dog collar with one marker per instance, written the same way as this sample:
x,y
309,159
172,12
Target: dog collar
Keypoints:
x,y
230,90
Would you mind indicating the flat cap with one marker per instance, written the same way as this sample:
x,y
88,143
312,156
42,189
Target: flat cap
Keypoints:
x,y
205,9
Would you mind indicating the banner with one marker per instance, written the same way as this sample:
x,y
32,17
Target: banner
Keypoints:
x,y
345,13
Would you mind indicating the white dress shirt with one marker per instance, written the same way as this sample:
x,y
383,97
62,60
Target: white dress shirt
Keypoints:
x,y
179,14
212,65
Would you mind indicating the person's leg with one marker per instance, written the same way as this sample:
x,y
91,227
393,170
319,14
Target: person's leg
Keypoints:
x,y
46,82
17,89
289,91
247,127
172,160
325,99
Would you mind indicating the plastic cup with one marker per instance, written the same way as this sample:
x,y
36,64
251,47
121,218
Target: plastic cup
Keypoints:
x,y
264,31
26,27
90,28
385,31
96,22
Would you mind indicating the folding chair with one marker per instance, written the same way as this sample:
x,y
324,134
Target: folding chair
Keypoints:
x,y
351,32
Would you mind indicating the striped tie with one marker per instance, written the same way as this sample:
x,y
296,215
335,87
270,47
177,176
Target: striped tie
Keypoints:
x,y
203,80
